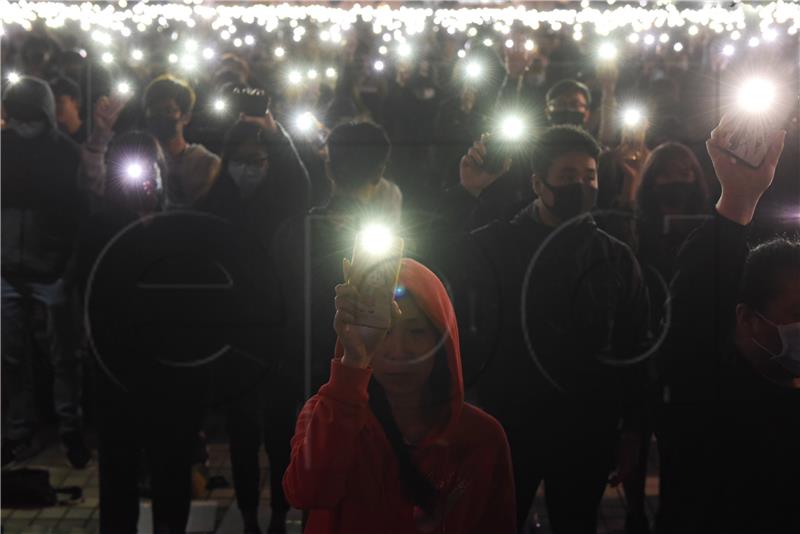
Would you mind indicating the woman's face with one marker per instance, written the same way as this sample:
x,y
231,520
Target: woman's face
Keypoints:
x,y
676,171
404,360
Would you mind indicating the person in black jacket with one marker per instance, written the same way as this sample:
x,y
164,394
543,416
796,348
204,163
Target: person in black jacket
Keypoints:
x,y
42,209
729,435
262,183
560,318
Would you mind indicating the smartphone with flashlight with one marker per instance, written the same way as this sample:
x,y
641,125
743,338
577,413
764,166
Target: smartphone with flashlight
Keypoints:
x,y
746,130
252,102
374,271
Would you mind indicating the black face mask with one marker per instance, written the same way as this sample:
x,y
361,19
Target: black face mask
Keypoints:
x,y
566,117
163,128
678,196
572,199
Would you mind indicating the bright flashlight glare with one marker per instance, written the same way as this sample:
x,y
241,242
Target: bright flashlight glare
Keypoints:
x,y
404,50
753,42
280,52
378,65
123,88
208,53
511,128
190,45
509,43
189,62
607,52
487,42
107,57
305,121
295,77
137,55
529,45
330,72
219,105
134,171
383,50
728,50
249,40
13,77
462,53
474,70
756,95
677,47
632,117
312,74
376,239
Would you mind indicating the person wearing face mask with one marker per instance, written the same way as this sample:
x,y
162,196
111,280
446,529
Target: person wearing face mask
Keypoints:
x,y
262,183
571,310
729,434
168,104
568,102
42,208
388,443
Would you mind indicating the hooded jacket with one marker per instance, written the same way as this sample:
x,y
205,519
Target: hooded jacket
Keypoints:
x,y
343,469
41,204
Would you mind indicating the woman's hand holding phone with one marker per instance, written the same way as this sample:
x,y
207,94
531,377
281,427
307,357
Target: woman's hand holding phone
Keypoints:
x,y
359,342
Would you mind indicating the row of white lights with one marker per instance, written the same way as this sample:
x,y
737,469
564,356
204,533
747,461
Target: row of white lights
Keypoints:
x,y
395,23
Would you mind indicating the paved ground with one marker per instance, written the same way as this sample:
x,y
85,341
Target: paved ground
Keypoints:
x,y
82,517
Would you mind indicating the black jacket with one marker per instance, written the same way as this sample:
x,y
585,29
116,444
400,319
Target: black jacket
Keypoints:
x,y
41,204
747,434
284,192
579,295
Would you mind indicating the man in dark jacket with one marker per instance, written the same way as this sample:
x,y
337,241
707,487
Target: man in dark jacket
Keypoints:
x,y
559,314
41,212
728,433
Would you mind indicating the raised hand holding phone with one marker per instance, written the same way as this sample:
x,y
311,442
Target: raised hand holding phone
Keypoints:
x,y
742,185
365,305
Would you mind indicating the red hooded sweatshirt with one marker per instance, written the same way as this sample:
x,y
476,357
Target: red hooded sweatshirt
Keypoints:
x,y
345,473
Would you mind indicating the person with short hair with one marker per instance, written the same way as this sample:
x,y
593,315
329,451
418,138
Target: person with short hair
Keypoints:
x,y
168,103
560,317
68,108
568,102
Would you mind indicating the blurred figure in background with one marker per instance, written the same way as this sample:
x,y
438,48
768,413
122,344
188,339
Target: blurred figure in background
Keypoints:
x,y
68,108
42,211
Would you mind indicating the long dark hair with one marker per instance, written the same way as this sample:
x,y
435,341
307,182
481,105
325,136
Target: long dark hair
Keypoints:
x,y
655,165
418,488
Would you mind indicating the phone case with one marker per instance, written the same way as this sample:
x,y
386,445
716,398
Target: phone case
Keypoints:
x,y
747,140
375,277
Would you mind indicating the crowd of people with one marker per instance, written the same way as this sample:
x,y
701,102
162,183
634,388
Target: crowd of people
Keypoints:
x,y
574,290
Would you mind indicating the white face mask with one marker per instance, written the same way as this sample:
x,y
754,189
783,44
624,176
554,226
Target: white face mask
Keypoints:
x,y
27,130
789,356
246,177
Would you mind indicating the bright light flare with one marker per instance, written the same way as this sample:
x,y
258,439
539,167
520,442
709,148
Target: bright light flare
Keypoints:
x,y
133,171
305,121
295,77
756,95
137,55
378,66
13,77
404,50
124,88
376,239
474,70
512,128
220,105
607,52
632,117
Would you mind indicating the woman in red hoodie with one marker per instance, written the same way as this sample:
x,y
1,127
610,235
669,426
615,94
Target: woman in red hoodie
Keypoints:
x,y
388,445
